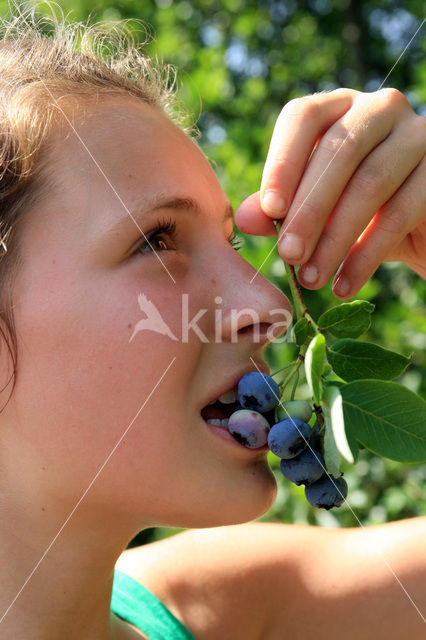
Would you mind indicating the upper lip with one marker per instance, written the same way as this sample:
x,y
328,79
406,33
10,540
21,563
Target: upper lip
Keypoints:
x,y
232,383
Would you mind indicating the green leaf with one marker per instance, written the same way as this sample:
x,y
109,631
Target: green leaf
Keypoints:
x,y
333,410
314,364
300,331
327,369
311,330
334,383
386,418
347,320
353,360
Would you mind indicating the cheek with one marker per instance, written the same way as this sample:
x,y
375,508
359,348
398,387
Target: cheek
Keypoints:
x,y
82,387
85,395
81,382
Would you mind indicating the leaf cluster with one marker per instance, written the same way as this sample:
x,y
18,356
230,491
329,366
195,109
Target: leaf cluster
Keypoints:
x,y
352,385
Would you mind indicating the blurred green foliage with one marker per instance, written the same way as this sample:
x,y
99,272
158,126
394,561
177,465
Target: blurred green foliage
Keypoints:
x,y
239,62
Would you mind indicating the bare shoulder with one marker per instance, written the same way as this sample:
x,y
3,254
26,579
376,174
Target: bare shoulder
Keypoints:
x,y
264,581
229,582
206,578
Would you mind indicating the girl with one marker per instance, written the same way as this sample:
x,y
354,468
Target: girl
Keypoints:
x,y
107,207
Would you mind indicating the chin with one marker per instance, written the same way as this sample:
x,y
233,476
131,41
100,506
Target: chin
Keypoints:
x,y
258,499
245,503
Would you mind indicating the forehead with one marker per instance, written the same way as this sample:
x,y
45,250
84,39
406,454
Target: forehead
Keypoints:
x,y
115,118
121,151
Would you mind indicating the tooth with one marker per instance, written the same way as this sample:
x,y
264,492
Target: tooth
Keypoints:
x,y
212,402
218,423
228,397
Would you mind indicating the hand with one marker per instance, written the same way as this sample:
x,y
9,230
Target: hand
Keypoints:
x,y
358,200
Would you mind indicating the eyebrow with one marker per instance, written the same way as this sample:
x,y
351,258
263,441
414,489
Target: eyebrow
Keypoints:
x,y
178,204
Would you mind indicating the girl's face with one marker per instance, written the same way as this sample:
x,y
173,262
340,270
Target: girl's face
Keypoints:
x,y
84,384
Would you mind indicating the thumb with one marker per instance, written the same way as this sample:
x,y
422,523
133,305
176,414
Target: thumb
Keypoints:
x,y
250,218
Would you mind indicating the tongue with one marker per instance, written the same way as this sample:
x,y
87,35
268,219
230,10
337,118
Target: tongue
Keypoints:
x,y
218,411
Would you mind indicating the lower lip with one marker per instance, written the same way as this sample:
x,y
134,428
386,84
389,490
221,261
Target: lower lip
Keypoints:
x,y
223,433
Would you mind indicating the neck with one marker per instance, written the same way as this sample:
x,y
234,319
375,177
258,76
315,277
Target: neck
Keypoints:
x,y
60,590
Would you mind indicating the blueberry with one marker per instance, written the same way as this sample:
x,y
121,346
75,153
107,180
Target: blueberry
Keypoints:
x,y
327,492
258,391
250,428
288,438
296,409
305,468
315,440
270,416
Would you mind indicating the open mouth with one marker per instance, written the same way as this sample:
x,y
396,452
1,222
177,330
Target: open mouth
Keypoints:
x,y
217,413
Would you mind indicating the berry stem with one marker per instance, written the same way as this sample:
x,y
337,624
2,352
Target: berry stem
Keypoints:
x,y
296,382
299,304
286,366
293,372
288,378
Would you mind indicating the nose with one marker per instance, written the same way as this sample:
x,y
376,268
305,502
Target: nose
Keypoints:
x,y
252,308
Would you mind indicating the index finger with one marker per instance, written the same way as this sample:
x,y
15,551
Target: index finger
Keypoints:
x,y
301,123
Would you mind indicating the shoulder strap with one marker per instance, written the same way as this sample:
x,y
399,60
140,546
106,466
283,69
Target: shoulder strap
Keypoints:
x,y
134,603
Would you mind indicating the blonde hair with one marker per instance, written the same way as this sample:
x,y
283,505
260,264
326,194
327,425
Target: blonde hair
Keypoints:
x,y
44,58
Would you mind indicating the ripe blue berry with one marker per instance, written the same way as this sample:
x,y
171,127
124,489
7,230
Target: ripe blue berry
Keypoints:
x,y
250,428
296,409
305,468
288,438
315,440
327,492
258,391
270,416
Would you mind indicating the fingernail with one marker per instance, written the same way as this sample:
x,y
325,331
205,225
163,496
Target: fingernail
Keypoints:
x,y
309,274
273,202
341,286
291,247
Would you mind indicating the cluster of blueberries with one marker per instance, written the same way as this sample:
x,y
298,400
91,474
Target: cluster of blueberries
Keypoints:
x,y
292,439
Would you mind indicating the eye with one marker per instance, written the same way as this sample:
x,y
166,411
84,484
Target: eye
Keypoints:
x,y
235,241
162,238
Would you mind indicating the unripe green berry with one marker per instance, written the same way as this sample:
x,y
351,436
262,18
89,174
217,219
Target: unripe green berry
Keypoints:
x,y
296,409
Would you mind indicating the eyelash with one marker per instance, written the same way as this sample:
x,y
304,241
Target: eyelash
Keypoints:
x,y
167,228
235,242
162,228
